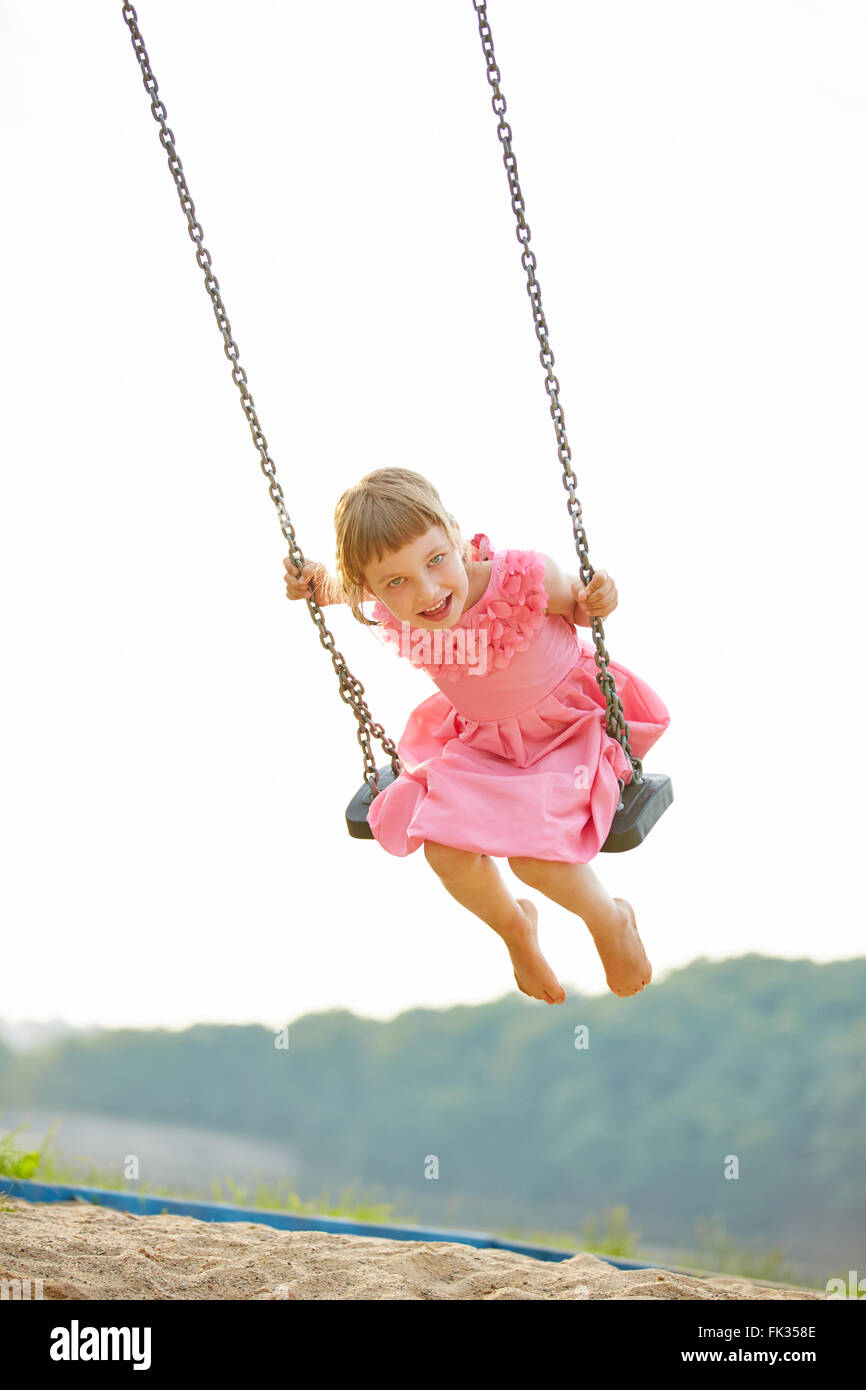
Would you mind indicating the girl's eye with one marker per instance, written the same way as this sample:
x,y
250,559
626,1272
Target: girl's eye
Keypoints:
x,y
398,578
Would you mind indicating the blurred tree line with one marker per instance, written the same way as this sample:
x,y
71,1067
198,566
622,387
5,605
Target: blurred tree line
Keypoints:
x,y
753,1064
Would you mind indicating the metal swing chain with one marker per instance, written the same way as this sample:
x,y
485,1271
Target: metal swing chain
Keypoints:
x,y
615,723
351,689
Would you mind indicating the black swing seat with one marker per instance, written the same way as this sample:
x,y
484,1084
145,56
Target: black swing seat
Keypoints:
x,y
642,804
356,811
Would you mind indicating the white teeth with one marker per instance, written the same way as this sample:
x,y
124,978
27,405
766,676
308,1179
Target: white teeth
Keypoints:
x,y
431,612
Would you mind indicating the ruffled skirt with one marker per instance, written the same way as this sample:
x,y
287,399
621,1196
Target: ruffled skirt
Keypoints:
x,y
541,784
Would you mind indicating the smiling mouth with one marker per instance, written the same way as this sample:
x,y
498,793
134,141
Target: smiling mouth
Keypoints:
x,y
440,609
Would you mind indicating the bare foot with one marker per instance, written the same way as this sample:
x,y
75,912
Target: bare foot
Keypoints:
x,y
531,971
626,966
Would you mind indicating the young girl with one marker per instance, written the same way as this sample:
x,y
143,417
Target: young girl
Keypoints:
x,y
510,758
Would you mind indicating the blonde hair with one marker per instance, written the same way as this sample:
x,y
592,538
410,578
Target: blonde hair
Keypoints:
x,y
380,514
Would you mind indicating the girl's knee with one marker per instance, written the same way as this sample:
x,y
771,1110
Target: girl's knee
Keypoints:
x,y
522,868
446,859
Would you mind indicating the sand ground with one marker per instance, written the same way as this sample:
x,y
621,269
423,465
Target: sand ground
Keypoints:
x,y
80,1251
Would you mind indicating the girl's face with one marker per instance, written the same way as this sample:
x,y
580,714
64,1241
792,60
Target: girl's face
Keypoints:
x,y
415,579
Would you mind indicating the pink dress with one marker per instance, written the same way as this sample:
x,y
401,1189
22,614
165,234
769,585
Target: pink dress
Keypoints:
x,y
510,756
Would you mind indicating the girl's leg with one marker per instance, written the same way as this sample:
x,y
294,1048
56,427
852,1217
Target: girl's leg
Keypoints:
x,y
475,881
611,921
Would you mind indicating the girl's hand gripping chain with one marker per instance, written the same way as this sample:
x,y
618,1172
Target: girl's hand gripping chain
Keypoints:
x,y
596,599
313,573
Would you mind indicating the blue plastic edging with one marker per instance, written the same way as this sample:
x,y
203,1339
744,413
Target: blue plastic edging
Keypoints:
x,y
143,1204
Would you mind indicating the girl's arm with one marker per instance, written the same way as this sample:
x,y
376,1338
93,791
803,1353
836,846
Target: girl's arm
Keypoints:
x,y
575,601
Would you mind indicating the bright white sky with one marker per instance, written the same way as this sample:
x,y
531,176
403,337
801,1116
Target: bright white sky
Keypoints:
x,y
177,759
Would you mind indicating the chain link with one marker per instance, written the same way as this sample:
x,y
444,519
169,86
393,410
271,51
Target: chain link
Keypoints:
x,y
615,723
351,689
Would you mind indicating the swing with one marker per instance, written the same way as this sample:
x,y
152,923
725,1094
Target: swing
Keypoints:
x,y
646,796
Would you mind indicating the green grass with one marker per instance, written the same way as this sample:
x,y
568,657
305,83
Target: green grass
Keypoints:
x,y
47,1164
722,1255
608,1234
714,1251
612,1238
